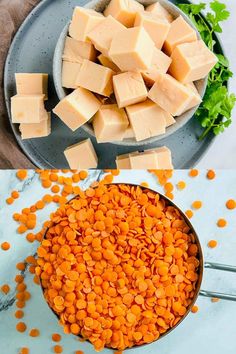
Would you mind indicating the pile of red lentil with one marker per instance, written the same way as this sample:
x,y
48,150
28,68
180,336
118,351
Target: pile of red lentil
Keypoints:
x,y
118,266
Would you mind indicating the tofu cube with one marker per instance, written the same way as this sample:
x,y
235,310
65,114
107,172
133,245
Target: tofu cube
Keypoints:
x,y
81,155
95,77
108,63
36,130
160,64
69,74
144,161
170,95
196,100
110,123
77,108
101,36
132,49
32,84
159,158
164,158
156,27
28,109
84,21
75,50
159,10
124,11
180,32
123,162
191,61
147,119
129,88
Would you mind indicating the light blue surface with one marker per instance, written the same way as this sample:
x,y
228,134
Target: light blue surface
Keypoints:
x,y
212,330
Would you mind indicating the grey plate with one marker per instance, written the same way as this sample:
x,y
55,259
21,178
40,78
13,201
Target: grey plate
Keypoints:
x,y
32,51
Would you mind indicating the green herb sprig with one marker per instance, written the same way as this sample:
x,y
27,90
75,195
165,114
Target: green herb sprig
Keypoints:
x,y
215,111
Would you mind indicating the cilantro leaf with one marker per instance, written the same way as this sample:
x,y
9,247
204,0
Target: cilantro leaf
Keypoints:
x,y
192,8
220,14
215,111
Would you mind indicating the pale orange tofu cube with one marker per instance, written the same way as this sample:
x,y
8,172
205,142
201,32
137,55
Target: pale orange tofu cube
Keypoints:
x,y
110,123
124,11
145,160
28,109
159,10
95,77
101,36
170,95
108,63
196,100
156,27
129,133
147,119
83,21
123,162
75,50
77,108
69,74
129,88
36,130
160,64
132,49
191,61
180,32
164,158
32,84
81,155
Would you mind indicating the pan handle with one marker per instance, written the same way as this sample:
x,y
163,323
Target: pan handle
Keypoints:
x,y
224,267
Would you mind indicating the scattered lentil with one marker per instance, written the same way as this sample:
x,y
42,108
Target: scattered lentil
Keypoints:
x,y
181,185
189,213
231,204
197,204
21,174
211,174
221,223
34,332
5,246
193,173
212,243
19,314
24,350
5,288
21,327
57,349
194,309
56,337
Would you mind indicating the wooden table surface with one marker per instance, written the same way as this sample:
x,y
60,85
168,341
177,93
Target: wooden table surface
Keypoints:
x,y
12,13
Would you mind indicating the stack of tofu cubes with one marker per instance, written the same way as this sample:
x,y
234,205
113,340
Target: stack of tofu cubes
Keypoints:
x,y
117,65
27,107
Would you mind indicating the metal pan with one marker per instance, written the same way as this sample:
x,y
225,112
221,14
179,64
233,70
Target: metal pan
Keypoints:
x,y
202,264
